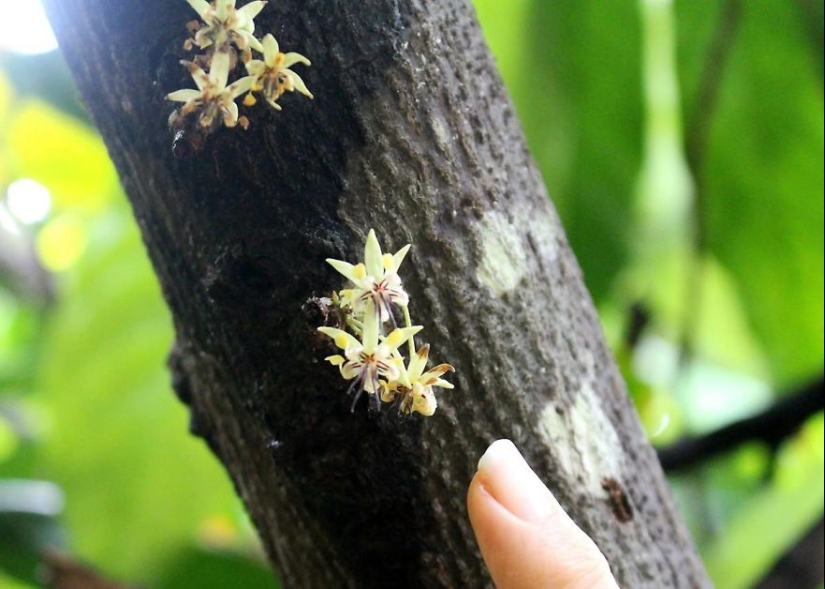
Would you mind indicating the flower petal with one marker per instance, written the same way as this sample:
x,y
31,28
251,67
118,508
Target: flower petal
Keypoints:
x,y
298,83
434,373
271,50
344,268
254,43
200,77
370,329
230,114
251,10
400,255
200,6
372,256
223,8
391,370
418,363
202,40
219,70
424,403
292,58
184,95
443,384
400,336
240,86
256,67
342,339
349,370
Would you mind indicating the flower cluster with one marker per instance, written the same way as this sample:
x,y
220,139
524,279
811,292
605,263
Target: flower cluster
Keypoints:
x,y
372,340
224,33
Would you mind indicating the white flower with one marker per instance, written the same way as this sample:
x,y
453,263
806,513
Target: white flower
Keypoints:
x,y
226,25
213,98
273,75
370,358
375,280
414,389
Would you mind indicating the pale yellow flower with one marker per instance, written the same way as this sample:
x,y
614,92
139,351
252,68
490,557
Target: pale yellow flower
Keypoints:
x,y
273,76
376,280
226,25
366,360
413,391
213,99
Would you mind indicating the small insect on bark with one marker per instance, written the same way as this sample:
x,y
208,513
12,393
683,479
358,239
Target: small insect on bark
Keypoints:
x,y
618,500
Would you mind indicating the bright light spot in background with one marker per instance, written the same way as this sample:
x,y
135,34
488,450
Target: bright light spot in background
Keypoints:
x,y
61,243
28,200
718,396
8,223
24,27
656,361
39,497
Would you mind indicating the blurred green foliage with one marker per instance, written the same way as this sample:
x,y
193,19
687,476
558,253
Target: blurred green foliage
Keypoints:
x,y
84,395
682,145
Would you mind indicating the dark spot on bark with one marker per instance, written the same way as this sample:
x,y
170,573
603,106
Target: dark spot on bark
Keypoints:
x,y
238,278
478,129
253,276
618,500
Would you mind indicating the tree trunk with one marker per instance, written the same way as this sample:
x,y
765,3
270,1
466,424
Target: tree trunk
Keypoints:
x,y
411,133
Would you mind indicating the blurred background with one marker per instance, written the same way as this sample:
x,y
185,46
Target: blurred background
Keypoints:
x,y
682,144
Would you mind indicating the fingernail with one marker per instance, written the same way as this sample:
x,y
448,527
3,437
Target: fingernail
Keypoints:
x,y
510,481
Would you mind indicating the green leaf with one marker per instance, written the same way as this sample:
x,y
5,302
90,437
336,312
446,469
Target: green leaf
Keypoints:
x,y
20,339
10,583
764,179
138,486
8,438
23,536
787,508
73,164
45,76
197,569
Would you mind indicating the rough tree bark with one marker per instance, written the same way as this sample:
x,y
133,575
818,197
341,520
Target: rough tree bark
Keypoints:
x,y
411,133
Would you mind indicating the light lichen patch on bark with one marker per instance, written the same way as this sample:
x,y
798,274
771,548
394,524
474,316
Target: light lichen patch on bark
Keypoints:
x,y
503,261
583,440
440,133
543,241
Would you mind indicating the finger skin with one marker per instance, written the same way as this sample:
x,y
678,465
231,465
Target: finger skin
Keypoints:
x,y
525,537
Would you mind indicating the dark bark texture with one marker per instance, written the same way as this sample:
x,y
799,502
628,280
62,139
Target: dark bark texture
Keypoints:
x,y
411,133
